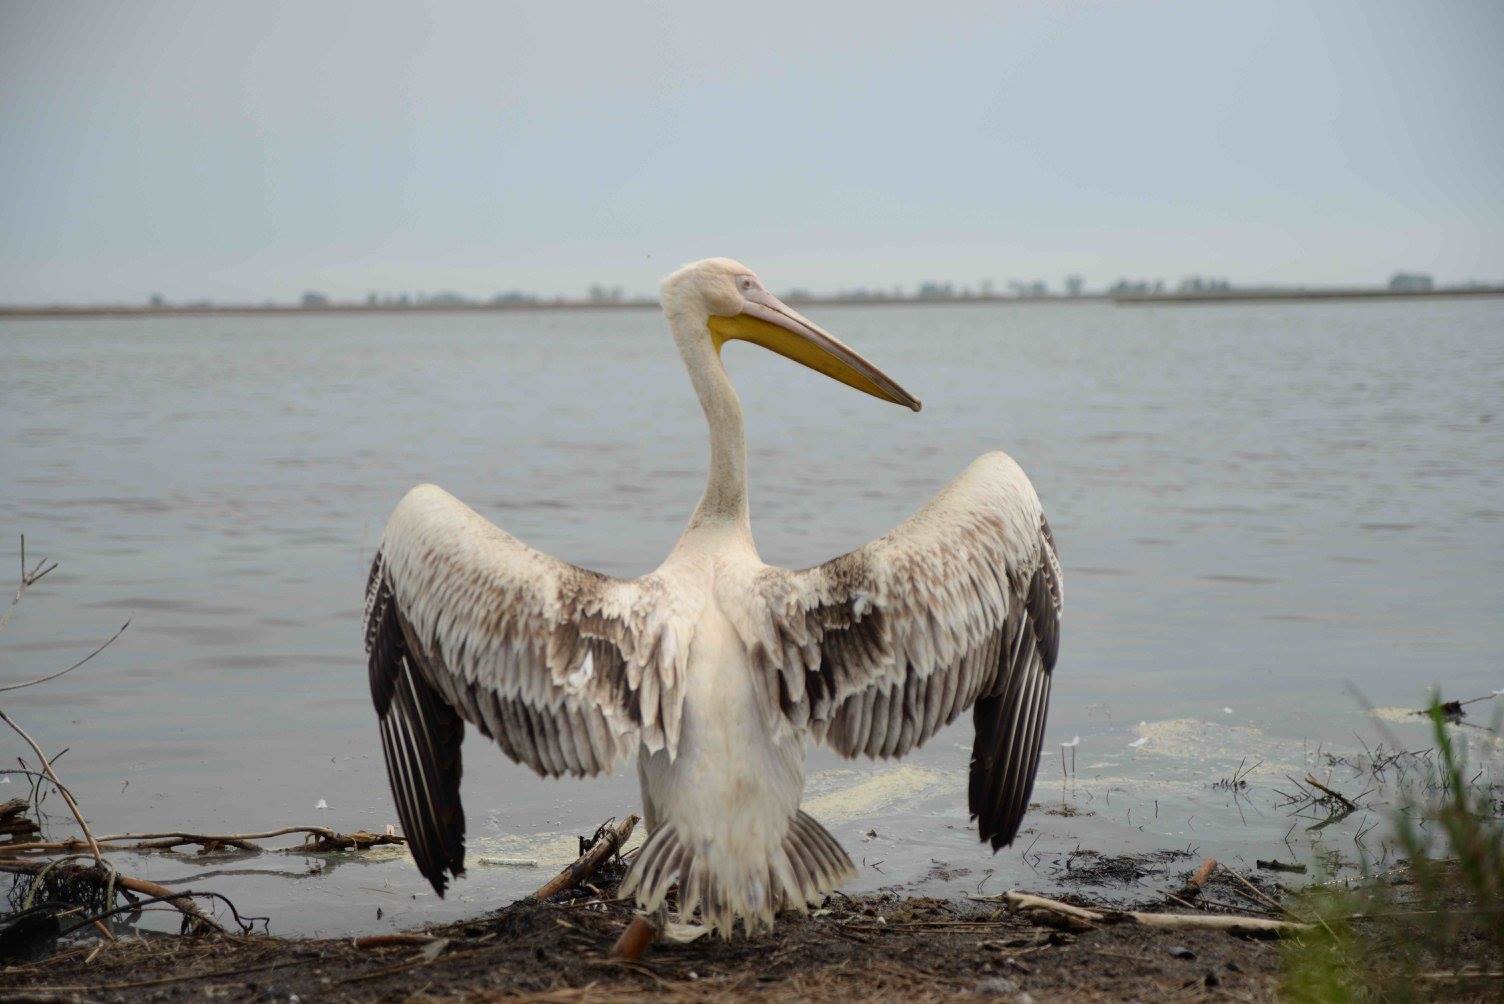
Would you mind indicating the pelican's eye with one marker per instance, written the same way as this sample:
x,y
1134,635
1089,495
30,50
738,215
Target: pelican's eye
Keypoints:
x,y
746,283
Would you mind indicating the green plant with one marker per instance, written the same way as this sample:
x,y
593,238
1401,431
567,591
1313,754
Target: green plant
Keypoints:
x,y
1464,853
1426,930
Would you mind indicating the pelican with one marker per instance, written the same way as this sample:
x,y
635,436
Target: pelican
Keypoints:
x,y
716,669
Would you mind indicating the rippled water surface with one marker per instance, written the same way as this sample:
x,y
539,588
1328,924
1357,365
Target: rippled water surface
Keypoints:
x,y
1256,507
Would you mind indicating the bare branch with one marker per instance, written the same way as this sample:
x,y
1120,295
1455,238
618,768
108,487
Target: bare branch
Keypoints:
x,y
28,578
47,770
321,839
608,841
1080,917
43,679
182,900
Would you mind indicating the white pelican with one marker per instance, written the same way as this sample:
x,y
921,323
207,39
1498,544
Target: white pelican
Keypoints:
x,y
716,668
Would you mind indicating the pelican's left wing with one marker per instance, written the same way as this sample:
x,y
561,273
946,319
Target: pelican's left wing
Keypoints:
x,y
959,607
566,669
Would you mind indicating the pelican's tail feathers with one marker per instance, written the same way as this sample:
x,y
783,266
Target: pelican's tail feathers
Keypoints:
x,y
724,886
817,864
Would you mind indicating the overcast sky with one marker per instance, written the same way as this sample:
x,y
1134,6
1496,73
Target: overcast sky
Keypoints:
x,y
253,150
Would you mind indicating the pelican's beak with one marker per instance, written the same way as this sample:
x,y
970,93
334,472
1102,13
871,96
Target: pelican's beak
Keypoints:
x,y
767,321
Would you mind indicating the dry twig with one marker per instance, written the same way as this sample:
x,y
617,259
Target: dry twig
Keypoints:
x,y
1258,927
47,769
1199,878
389,940
181,901
606,844
29,578
1332,793
53,676
321,840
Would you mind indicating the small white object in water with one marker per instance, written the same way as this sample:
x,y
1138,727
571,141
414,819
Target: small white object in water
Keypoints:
x,y
1499,691
1139,742
1074,742
322,805
1227,711
4,780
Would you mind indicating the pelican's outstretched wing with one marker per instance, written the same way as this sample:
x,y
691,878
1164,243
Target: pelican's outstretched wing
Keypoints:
x,y
958,607
564,668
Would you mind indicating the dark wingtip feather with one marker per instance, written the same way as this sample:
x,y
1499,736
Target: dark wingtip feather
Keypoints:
x,y
1005,756
420,738
1010,723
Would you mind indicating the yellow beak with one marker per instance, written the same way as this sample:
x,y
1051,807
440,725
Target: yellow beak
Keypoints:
x,y
767,321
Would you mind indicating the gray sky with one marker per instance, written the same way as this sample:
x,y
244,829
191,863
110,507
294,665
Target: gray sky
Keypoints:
x,y
250,151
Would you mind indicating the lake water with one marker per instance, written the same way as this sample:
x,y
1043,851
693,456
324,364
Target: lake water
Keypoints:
x,y
1256,505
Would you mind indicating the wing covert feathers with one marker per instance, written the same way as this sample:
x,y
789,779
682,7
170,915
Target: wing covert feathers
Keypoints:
x,y
959,607
563,668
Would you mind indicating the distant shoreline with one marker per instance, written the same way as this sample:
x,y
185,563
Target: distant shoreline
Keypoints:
x,y
1296,295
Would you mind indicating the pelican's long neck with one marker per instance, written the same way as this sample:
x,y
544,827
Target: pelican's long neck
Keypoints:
x,y
724,505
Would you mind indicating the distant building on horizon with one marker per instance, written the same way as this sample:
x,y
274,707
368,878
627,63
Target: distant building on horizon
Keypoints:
x,y
1411,282
312,298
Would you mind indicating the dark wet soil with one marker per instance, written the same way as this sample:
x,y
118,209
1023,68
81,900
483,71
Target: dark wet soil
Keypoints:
x,y
865,948
868,948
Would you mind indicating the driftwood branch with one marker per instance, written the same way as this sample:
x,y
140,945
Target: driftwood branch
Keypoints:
x,y
1332,793
1257,927
47,769
181,901
14,822
606,844
320,840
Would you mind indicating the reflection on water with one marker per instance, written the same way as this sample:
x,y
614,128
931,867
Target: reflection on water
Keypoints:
x,y
1255,504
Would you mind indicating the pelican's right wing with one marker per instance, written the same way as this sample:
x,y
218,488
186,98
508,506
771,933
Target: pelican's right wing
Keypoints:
x,y
959,607
564,668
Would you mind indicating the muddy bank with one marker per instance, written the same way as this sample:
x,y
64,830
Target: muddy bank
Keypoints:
x,y
874,947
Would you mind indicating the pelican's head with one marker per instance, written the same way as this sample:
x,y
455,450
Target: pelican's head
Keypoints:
x,y
729,301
